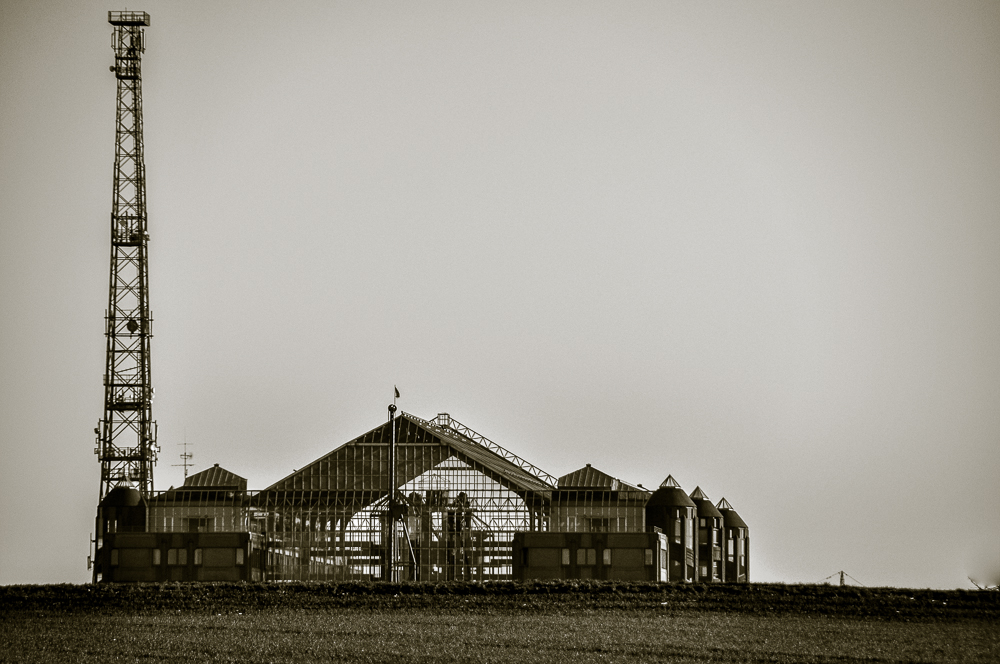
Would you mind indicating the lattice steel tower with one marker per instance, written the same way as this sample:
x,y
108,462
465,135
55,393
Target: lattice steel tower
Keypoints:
x,y
126,436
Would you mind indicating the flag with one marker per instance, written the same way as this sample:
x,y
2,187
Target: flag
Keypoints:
x,y
396,390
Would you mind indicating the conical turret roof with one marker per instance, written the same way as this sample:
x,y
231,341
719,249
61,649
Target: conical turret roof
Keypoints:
x,y
670,494
729,516
705,506
669,483
122,496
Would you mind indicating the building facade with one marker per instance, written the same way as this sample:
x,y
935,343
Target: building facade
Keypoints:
x,y
412,499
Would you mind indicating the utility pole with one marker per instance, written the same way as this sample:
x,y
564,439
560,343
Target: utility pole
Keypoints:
x,y
126,436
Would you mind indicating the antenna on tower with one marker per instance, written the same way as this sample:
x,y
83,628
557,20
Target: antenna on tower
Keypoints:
x,y
185,457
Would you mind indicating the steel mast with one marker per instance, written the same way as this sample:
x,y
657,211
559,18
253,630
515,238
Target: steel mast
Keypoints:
x,y
126,436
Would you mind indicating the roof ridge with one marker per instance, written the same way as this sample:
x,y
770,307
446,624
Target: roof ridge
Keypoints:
x,y
462,445
215,476
450,426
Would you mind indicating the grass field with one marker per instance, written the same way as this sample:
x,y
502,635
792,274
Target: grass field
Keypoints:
x,y
557,622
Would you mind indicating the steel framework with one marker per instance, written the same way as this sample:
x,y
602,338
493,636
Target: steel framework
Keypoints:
x,y
450,512
126,436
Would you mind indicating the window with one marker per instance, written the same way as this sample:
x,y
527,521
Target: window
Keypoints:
x,y
239,556
177,556
606,556
156,556
649,556
704,571
565,556
197,556
172,556
199,525
581,556
591,556
701,522
599,525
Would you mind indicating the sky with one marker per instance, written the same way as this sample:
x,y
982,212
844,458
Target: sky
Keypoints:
x,y
754,246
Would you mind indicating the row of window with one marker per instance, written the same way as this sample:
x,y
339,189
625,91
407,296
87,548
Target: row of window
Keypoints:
x,y
180,556
228,521
740,545
621,524
589,557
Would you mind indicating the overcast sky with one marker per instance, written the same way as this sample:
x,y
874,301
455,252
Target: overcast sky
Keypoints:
x,y
755,246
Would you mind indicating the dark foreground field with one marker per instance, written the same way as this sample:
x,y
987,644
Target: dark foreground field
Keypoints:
x,y
539,622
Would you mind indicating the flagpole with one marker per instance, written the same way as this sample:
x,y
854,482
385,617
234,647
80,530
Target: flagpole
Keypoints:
x,y
390,548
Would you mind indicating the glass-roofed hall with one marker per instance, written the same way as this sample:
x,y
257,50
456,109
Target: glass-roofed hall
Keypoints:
x,y
461,508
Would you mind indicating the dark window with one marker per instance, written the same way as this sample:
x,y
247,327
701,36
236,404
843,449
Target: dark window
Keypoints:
x,y
198,525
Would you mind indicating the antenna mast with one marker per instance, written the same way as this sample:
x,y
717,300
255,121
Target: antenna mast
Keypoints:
x,y
185,457
126,436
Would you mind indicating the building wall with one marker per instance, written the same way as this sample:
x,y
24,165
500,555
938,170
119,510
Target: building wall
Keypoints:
x,y
736,553
176,557
620,556
710,542
678,525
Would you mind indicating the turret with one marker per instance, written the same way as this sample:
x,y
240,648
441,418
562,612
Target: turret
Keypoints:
x,y
736,540
709,528
673,512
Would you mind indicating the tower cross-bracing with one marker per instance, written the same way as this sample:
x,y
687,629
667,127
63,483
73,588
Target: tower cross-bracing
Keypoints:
x,y
126,435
